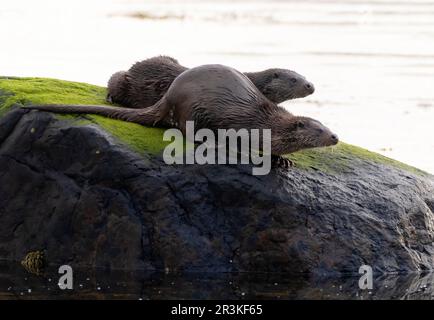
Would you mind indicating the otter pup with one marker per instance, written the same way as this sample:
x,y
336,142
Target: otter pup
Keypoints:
x,y
147,81
218,97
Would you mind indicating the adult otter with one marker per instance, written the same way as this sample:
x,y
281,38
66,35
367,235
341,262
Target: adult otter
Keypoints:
x,y
218,97
147,81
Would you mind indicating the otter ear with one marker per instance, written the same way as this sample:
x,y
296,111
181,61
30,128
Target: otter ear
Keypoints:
x,y
275,75
299,124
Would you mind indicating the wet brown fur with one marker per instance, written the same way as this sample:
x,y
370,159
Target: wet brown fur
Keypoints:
x,y
218,97
147,81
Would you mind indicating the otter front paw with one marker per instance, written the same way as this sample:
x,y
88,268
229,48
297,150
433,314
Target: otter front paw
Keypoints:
x,y
281,162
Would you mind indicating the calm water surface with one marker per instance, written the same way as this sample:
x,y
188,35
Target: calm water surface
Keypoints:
x,y
17,283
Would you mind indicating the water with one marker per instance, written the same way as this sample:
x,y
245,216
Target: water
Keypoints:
x,y
372,61
16,283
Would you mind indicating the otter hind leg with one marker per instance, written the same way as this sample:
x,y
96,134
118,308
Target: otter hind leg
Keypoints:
x,y
162,113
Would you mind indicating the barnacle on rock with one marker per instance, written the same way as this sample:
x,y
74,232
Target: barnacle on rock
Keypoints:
x,y
34,262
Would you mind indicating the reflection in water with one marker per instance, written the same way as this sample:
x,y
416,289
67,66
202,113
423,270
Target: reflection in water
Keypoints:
x,y
16,283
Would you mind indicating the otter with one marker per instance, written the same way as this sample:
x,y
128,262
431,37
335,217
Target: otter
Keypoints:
x,y
218,97
147,81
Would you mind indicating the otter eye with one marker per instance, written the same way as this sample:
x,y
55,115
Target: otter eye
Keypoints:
x,y
300,124
293,80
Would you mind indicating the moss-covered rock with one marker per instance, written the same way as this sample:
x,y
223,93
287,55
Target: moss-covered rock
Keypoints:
x,y
70,186
22,91
39,91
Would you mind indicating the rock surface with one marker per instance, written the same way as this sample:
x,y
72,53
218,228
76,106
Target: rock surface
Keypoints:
x,y
83,197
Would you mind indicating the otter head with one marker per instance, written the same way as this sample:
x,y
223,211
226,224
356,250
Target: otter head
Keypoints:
x,y
301,133
283,84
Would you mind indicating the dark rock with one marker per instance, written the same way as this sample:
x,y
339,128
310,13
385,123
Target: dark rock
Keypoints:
x,y
75,193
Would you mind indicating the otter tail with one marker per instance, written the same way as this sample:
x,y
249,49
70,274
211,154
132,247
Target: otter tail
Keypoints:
x,y
147,117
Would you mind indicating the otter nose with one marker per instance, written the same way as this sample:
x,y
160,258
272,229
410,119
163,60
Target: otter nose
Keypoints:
x,y
334,138
309,86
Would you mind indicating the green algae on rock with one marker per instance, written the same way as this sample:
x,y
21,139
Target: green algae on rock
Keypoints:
x,y
41,90
336,159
